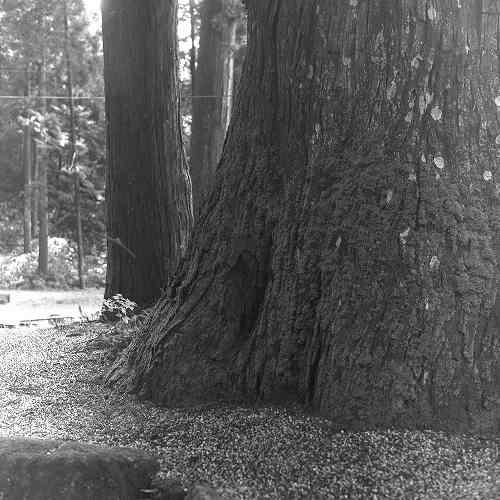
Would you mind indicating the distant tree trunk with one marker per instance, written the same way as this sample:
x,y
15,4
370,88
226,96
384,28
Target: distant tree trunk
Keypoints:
x,y
192,50
349,256
35,190
43,230
212,99
27,157
43,218
148,190
72,152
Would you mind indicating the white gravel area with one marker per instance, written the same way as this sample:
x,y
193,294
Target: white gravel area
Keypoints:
x,y
40,304
51,387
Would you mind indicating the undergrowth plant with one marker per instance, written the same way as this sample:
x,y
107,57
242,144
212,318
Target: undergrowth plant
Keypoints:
x,y
118,308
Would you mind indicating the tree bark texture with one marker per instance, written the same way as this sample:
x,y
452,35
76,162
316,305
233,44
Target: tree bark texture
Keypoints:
x,y
213,88
148,189
27,157
349,255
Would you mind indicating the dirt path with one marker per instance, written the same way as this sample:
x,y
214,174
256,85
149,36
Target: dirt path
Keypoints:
x,y
50,387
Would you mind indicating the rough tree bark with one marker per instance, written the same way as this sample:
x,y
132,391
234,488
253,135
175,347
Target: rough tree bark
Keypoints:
x,y
212,89
148,189
348,257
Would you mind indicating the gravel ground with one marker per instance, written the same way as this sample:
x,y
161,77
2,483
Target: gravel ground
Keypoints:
x,y
50,387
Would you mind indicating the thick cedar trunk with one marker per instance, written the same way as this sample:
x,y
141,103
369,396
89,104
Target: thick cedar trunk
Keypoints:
x,y
212,99
349,255
148,189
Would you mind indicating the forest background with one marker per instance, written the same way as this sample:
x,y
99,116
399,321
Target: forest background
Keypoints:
x,y
52,136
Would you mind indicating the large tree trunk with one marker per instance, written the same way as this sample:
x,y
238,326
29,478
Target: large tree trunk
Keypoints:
x,y
148,189
212,91
349,254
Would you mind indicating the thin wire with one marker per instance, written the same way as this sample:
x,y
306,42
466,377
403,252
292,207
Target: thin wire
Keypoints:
x,y
65,98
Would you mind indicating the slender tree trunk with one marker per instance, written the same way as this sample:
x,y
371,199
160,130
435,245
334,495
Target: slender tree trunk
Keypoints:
x,y
35,190
72,141
43,218
148,190
212,100
27,157
43,234
192,50
349,256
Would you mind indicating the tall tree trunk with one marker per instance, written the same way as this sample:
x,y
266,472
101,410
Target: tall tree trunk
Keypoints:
x,y
148,190
43,202
192,50
212,99
43,230
35,189
72,152
27,157
349,256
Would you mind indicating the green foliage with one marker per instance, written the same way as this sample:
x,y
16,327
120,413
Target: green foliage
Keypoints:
x,y
127,323
118,307
10,235
21,270
32,32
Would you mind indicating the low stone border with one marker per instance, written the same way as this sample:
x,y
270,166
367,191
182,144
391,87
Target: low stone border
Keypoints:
x,y
32,469
47,469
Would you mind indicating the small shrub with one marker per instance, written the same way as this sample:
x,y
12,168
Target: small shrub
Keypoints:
x,y
21,271
118,307
127,325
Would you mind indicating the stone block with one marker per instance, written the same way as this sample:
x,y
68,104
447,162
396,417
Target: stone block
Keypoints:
x,y
69,470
